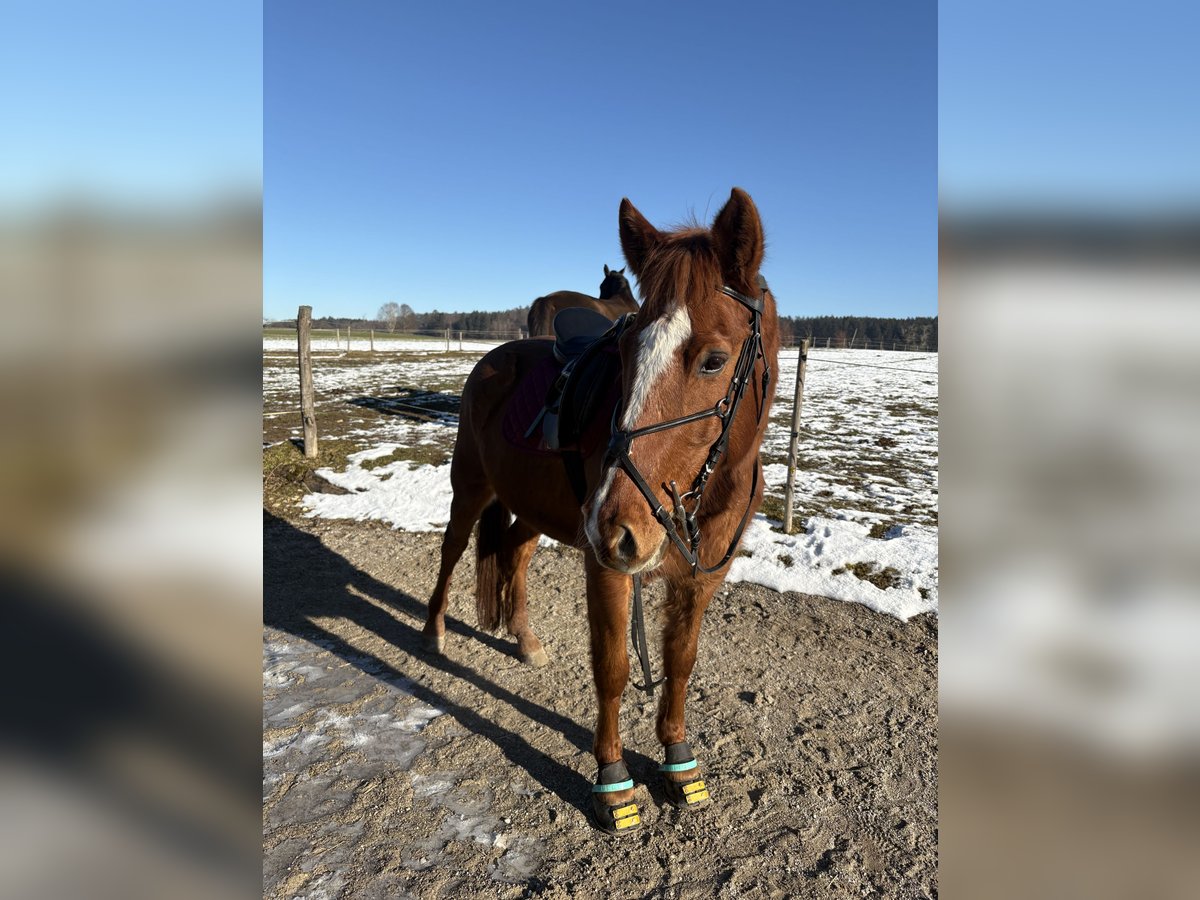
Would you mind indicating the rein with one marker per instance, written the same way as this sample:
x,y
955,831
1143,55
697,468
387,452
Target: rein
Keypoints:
x,y
688,544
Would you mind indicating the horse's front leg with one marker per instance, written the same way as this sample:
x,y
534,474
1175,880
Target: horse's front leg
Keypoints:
x,y
686,602
608,607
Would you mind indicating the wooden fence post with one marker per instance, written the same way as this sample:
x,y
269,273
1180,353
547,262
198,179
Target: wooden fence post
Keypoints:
x,y
460,334
447,340
337,338
797,402
372,340
308,416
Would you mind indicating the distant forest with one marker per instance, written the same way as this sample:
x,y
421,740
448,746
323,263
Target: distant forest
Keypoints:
x,y
915,333
508,321
920,332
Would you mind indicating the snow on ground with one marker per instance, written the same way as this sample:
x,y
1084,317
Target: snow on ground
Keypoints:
x,y
816,561
866,483
413,498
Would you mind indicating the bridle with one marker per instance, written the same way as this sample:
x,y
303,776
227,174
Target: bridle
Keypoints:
x,y
681,517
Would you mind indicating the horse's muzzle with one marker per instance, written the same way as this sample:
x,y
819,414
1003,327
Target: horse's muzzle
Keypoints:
x,y
619,548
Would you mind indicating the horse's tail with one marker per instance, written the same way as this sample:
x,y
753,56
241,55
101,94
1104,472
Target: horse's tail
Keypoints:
x,y
492,602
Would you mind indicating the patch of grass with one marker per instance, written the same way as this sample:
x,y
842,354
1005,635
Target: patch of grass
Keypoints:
x,y
870,571
423,454
382,460
786,559
420,454
909,408
772,507
924,592
288,476
880,530
885,442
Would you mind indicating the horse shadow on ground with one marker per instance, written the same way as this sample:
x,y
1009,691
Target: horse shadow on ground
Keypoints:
x,y
304,579
416,404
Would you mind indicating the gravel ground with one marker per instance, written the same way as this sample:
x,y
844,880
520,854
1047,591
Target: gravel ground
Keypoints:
x,y
390,773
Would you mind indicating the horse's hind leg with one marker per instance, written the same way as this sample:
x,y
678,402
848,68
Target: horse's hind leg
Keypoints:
x,y
471,494
520,541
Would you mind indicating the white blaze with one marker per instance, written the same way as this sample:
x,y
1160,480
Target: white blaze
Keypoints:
x,y
658,344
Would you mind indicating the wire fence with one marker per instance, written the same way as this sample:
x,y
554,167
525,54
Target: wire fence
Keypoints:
x,y
367,339
451,337
828,343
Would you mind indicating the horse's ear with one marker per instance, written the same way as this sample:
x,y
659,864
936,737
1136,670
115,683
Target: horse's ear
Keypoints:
x,y
621,271
638,237
738,236
606,270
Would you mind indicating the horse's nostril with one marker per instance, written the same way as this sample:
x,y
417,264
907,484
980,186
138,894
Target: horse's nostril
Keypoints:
x,y
627,546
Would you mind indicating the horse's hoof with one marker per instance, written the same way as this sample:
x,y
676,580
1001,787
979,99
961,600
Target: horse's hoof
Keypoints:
x,y
434,643
537,658
685,794
611,815
617,820
681,779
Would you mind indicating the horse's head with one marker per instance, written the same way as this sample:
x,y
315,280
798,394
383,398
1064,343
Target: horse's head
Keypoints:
x,y
679,359
614,283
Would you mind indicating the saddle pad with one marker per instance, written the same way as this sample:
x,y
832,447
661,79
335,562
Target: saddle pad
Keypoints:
x,y
530,398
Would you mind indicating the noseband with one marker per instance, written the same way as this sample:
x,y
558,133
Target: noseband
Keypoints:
x,y
686,507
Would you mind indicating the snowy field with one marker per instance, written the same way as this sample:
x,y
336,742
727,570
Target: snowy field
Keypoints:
x,y
866,484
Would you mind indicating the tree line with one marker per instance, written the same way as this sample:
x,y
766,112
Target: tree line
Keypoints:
x,y
403,319
914,332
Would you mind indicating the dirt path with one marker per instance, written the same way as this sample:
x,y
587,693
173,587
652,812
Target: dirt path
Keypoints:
x,y
389,773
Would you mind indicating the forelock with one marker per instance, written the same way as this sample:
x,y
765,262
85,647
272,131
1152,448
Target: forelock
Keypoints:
x,y
682,268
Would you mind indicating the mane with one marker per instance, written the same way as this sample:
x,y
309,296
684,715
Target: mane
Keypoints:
x,y
683,268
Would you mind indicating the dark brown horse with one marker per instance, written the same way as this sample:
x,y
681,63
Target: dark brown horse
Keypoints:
x,y
616,299
698,351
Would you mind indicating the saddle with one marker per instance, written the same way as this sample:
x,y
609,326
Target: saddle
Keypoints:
x,y
578,387
590,370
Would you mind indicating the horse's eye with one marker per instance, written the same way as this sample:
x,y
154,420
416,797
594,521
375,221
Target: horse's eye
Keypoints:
x,y
713,363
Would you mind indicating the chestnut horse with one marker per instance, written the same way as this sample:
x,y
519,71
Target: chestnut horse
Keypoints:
x,y
696,368
616,299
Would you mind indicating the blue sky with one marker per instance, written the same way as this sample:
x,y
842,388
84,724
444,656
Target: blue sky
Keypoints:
x,y
473,155
129,102
1072,105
